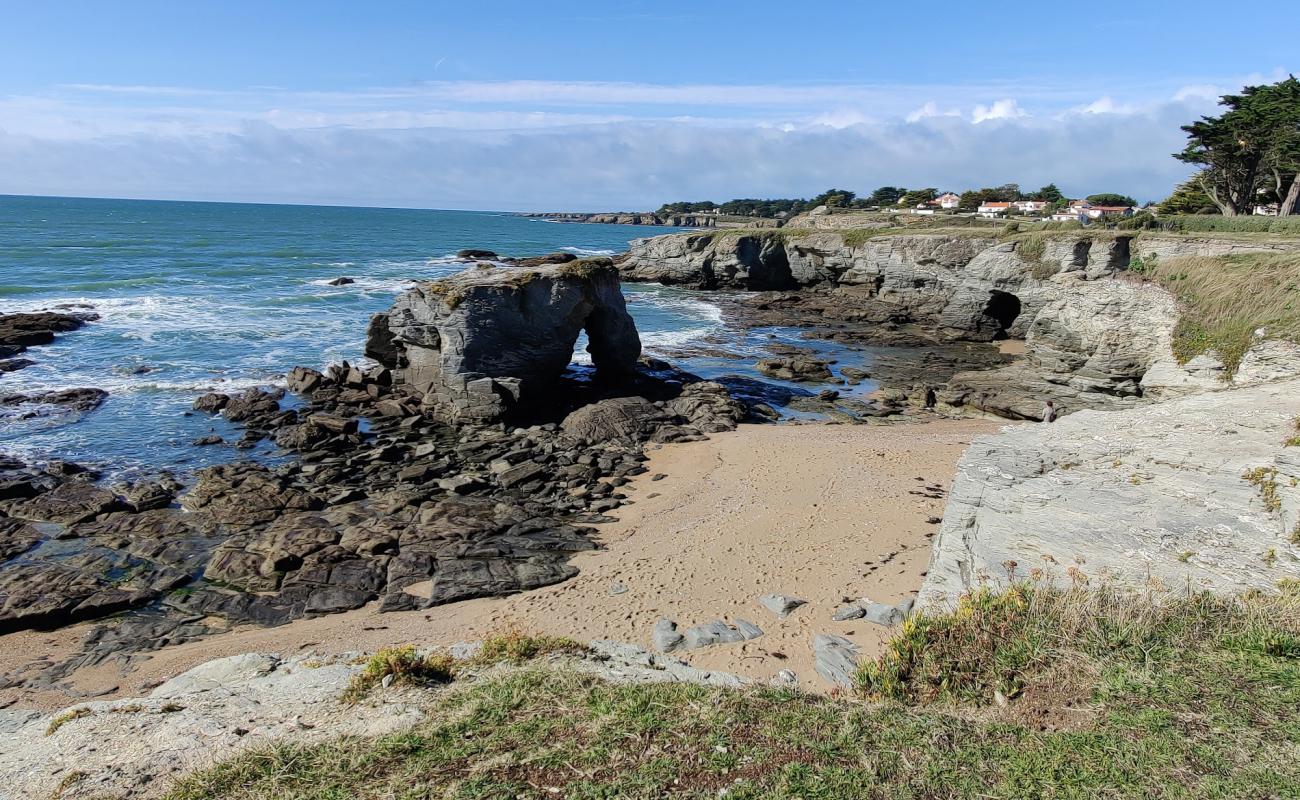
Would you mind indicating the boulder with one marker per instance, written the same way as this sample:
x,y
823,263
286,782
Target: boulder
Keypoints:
x,y
799,369
612,419
489,343
477,255
780,604
835,659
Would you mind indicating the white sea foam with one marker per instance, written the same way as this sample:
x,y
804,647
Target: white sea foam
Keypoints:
x,y
585,251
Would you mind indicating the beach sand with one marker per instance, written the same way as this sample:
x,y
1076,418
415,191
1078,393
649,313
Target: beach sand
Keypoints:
x,y
826,513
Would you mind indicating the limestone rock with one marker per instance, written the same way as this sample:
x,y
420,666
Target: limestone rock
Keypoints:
x,y
835,659
780,604
1197,491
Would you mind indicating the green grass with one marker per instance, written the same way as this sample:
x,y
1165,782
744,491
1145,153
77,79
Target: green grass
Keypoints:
x,y
1110,696
408,667
1213,223
1226,299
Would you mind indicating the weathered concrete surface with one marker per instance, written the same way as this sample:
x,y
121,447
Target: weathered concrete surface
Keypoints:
x,y
1198,491
488,340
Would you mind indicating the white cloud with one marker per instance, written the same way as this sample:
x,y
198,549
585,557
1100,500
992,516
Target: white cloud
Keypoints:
x,y
538,145
930,110
1000,109
1106,105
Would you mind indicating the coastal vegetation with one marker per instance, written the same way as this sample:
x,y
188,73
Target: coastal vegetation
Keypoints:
x,y
1250,153
1226,300
1029,692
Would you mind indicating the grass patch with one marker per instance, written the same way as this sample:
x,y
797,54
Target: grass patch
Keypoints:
x,y
1264,479
1191,698
1294,441
586,267
410,668
64,719
1226,299
404,665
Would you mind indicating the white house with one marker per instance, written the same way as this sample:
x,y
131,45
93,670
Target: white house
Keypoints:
x,y
1030,206
991,210
947,201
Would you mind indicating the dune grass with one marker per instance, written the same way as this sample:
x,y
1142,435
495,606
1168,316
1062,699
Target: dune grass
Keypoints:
x,y
1106,695
1227,299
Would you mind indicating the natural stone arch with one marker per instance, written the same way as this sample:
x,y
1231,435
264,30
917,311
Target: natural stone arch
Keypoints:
x,y
486,342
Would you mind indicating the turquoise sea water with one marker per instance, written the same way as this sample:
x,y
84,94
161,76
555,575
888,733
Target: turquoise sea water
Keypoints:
x,y
198,297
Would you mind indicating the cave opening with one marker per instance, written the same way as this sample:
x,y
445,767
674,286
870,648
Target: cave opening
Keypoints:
x,y
1004,308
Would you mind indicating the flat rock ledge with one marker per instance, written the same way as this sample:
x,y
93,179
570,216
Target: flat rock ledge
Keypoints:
x,y
135,747
1199,492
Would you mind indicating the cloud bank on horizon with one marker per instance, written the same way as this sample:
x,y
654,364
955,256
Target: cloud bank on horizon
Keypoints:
x,y
591,145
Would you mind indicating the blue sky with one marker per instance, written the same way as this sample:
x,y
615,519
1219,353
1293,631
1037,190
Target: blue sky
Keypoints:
x,y
571,105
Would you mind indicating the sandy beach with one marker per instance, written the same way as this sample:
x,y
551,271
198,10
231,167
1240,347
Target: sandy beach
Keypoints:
x,y
826,513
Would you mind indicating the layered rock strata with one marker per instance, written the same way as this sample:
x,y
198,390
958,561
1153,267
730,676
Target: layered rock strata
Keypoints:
x,y
1197,493
492,342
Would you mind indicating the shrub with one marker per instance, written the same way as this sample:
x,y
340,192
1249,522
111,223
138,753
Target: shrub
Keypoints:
x,y
1206,223
405,665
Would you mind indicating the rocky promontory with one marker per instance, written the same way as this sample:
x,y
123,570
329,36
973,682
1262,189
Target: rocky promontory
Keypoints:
x,y
1095,336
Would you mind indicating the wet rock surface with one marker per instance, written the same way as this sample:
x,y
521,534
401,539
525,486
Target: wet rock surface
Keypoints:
x,y
382,500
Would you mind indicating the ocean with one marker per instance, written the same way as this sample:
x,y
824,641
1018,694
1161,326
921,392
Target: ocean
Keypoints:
x,y
197,297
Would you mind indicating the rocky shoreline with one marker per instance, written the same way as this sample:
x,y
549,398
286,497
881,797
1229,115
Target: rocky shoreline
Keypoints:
x,y
469,459
398,480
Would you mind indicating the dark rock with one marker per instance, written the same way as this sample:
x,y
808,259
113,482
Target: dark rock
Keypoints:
x,y
796,369
148,495
251,403
38,328
69,502
74,400
203,441
477,255
486,343
246,494
301,380
612,419
16,537
212,402
542,261
15,364
342,281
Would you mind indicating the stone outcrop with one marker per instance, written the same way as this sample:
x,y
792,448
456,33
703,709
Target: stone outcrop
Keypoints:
x,y
1195,492
966,286
491,341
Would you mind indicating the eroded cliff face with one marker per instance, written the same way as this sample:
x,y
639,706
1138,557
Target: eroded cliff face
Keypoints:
x,y
967,286
1095,338
1197,492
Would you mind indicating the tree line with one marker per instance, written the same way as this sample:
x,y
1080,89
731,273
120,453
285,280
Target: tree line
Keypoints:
x,y
888,197
1249,155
